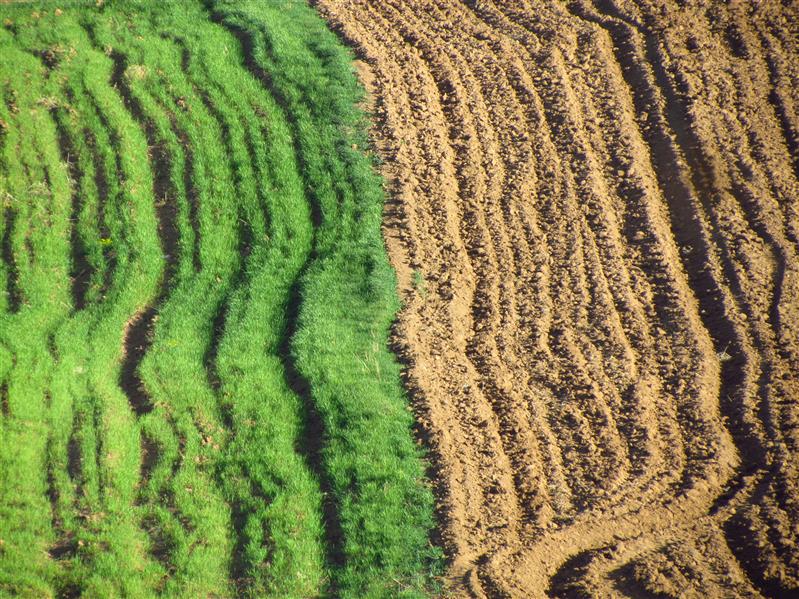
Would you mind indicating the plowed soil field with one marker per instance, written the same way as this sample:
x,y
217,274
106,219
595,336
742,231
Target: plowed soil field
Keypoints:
x,y
595,220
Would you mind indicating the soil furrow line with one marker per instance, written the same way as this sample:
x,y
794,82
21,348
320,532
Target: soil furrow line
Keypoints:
x,y
12,289
491,344
502,22
594,266
520,216
632,178
473,184
522,51
764,344
460,492
693,460
778,101
689,233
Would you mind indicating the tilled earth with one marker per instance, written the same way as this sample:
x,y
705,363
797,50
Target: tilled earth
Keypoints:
x,y
594,214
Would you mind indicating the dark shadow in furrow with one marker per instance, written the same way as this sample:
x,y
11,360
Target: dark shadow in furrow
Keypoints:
x,y
569,580
192,195
312,439
100,182
9,216
735,41
81,272
749,203
789,133
150,454
245,233
74,464
138,338
240,510
193,199
5,409
13,292
628,584
310,443
742,541
688,233
245,244
64,547
102,185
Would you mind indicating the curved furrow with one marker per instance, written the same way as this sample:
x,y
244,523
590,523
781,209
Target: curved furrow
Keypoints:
x,y
348,303
74,449
80,274
759,260
494,300
594,233
460,106
503,23
682,229
63,469
198,505
766,283
536,76
500,403
598,300
224,353
600,236
622,232
453,282
556,101
520,174
37,184
12,297
95,452
266,531
451,279
139,329
669,313
763,264
265,260
782,103
653,272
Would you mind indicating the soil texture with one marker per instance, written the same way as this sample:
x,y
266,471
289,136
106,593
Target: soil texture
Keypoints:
x,y
594,214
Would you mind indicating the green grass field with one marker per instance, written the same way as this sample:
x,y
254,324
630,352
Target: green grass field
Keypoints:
x,y
197,396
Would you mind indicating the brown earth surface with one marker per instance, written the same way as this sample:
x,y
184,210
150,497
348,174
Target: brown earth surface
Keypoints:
x,y
594,214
